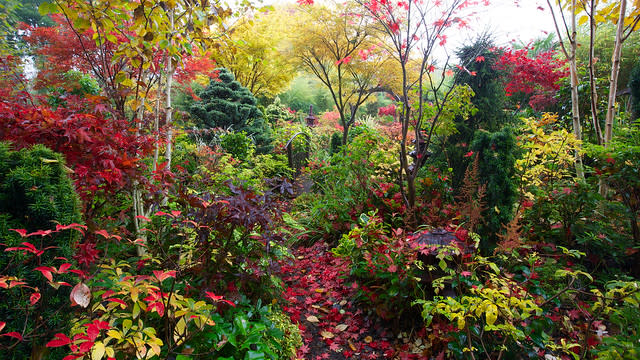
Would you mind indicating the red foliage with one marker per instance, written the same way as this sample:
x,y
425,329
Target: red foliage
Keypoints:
x,y
387,110
537,77
104,151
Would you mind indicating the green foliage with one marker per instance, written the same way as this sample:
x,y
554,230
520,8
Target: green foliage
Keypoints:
x,y
496,154
304,91
290,341
488,98
383,266
237,144
227,104
35,190
621,302
336,142
343,186
36,193
619,166
277,111
634,86
76,83
250,332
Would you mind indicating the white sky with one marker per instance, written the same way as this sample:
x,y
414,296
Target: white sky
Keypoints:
x,y
508,20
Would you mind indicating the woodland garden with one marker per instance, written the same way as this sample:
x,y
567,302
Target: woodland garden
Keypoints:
x,y
195,179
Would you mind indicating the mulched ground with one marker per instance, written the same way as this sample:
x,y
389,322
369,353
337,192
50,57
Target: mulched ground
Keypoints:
x,y
319,299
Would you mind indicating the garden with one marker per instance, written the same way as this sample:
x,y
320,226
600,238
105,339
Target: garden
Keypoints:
x,y
196,179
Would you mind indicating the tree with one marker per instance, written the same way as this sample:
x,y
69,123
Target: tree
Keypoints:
x,y
412,30
536,79
229,105
489,99
626,23
339,48
146,41
254,52
565,18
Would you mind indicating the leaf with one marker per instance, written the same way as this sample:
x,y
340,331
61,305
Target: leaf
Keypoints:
x,y
22,232
104,233
312,319
46,272
327,334
33,299
13,334
98,351
492,314
59,340
114,334
80,295
341,327
442,264
163,275
47,8
2,325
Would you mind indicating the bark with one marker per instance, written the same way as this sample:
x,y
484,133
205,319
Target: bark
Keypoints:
x,y
570,55
613,84
575,110
592,76
169,109
613,80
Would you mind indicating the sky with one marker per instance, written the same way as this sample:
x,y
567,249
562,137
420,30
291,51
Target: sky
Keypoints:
x,y
508,20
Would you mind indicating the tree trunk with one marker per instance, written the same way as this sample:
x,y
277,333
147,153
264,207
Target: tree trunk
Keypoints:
x,y
613,80
169,109
592,76
613,84
575,109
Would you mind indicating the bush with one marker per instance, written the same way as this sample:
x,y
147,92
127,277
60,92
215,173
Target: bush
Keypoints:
x,y
250,332
36,193
238,145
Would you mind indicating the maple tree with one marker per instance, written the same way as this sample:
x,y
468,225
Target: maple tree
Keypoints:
x,y
340,49
413,29
536,77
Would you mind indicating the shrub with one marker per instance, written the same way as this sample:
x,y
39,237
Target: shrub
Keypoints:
x,y
238,145
36,193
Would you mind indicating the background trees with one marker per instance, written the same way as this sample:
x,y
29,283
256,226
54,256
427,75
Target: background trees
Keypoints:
x,y
339,47
255,52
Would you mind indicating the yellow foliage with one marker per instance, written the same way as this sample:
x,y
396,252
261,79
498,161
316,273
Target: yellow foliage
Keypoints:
x,y
549,151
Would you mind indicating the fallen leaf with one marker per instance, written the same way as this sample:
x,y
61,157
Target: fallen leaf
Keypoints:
x,y
368,339
351,346
319,290
312,319
327,335
341,327
343,302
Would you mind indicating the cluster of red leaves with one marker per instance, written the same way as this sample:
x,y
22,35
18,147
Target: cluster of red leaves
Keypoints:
x,y
319,299
538,77
27,247
64,50
105,152
389,110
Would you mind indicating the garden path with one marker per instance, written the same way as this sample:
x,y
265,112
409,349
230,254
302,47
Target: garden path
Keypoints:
x,y
333,327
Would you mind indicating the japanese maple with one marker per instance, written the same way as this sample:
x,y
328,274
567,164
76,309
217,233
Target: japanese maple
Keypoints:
x,y
536,77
